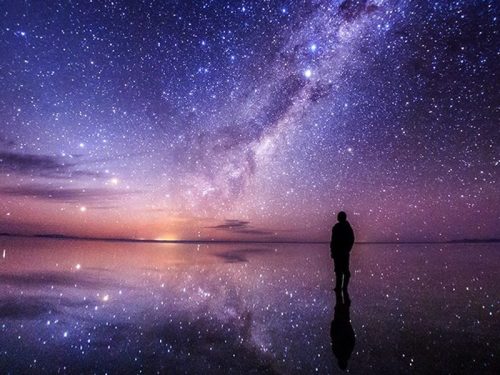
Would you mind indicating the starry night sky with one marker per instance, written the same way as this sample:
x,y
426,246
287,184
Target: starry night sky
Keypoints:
x,y
251,120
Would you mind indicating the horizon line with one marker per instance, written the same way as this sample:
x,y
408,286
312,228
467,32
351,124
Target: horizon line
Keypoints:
x,y
215,241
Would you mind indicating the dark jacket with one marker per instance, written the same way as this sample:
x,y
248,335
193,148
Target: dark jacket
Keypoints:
x,y
342,238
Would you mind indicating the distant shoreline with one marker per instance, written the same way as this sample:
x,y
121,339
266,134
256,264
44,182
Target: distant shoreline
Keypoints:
x,y
214,241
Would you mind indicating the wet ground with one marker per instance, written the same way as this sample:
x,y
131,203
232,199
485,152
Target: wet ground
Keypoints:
x,y
74,306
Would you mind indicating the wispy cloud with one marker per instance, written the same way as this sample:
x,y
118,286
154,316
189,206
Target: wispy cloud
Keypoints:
x,y
4,142
32,307
240,227
240,255
68,195
63,279
41,165
232,224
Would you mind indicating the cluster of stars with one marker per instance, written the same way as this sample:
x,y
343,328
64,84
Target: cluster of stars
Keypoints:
x,y
145,115
142,307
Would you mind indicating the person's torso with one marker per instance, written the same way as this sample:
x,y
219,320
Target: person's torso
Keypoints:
x,y
342,236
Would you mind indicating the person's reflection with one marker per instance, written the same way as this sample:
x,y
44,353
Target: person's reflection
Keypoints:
x,y
341,331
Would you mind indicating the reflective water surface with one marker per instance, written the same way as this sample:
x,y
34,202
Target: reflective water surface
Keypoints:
x,y
115,307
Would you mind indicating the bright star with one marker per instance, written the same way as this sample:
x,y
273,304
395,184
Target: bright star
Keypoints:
x,y
308,73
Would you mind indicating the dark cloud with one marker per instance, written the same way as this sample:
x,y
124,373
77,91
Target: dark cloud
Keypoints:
x,y
68,195
63,279
32,307
7,143
231,224
320,91
40,165
283,98
241,227
240,255
352,9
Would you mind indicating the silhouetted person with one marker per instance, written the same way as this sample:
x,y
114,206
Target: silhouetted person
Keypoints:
x,y
341,331
340,247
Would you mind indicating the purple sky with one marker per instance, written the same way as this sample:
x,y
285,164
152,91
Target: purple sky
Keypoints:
x,y
250,120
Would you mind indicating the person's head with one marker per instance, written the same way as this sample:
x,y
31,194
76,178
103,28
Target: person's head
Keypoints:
x,y
342,216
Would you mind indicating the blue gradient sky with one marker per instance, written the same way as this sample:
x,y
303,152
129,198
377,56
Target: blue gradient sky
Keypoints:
x,y
251,120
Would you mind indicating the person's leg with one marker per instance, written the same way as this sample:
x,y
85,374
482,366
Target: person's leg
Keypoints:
x,y
338,273
347,273
338,281
347,276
